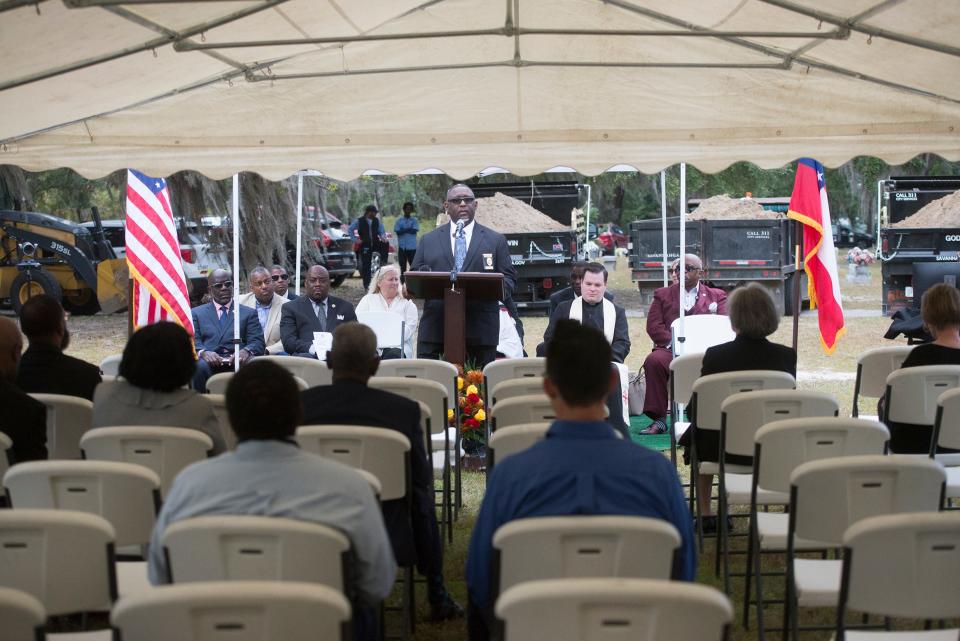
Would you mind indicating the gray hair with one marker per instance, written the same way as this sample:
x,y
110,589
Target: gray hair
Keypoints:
x,y
258,270
753,313
380,275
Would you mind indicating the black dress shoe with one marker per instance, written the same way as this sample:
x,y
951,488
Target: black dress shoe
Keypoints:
x,y
445,610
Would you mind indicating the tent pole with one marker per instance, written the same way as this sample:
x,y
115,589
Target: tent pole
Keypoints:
x,y
682,262
296,277
797,277
663,221
235,205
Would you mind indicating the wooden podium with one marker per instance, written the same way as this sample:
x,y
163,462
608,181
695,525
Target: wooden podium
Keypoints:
x,y
454,289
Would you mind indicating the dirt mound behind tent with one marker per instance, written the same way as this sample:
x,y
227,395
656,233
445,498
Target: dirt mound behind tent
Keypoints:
x,y
510,216
724,207
944,212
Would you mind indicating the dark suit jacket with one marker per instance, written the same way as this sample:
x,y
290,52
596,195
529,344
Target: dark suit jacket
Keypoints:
x,y
621,333
665,309
209,334
24,420
434,253
414,536
47,370
566,294
298,322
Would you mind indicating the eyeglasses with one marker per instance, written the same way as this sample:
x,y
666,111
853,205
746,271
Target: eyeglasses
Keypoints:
x,y
461,200
280,277
689,268
223,285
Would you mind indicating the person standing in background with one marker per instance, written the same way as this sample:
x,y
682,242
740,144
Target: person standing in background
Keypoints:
x,y
371,233
406,230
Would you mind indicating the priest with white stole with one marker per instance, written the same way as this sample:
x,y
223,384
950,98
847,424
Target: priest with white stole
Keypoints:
x,y
591,308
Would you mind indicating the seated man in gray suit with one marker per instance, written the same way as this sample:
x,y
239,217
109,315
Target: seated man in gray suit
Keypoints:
x,y
266,302
213,331
317,311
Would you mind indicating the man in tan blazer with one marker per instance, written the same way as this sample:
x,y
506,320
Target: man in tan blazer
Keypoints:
x,y
267,304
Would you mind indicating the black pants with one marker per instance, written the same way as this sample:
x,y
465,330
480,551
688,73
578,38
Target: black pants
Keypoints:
x,y
366,256
405,258
477,355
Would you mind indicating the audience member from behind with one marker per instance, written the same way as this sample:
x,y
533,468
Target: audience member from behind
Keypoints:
x,y
386,295
940,310
753,317
350,401
156,367
44,368
268,475
581,467
23,418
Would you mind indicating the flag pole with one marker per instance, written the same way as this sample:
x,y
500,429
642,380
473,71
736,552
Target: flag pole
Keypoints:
x,y
296,277
663,223
797,277
682,258
235,205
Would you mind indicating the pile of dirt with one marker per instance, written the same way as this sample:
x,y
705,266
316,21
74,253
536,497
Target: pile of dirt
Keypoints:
x,y
944,212
724,207
510,216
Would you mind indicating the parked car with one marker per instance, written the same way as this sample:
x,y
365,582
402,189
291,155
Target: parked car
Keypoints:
x,y
115,231
612,239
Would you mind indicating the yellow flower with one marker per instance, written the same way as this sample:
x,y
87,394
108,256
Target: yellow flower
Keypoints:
x,y
459,383
449,415
480,415
472,389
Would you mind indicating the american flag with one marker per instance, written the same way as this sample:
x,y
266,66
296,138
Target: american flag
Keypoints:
x,y
153,254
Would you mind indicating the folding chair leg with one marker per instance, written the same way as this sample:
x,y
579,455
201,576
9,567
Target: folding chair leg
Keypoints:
x,y
446,497
458,498
720,548
748,573
757,569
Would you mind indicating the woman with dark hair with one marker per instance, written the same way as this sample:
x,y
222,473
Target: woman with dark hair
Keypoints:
x,y
152,389
753,317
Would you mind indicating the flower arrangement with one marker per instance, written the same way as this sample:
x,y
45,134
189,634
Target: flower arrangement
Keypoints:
x,y
860,257
473,416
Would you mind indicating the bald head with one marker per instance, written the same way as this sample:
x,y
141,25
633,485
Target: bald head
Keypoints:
x,y
11,346
354,352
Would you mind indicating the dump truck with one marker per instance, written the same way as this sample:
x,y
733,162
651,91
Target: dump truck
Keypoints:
x,y
44,254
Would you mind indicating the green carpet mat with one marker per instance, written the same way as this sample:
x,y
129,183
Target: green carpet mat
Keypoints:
x,y
659,442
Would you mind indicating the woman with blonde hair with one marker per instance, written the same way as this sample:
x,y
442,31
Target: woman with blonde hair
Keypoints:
x,y
386,295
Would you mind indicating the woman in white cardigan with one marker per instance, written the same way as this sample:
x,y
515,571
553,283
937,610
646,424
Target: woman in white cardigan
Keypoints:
x,y
386,296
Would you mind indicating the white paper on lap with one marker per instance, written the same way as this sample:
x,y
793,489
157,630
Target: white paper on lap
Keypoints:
x,y
322,343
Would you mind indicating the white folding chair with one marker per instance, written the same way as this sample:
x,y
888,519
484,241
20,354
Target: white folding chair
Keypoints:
x,y
579,547
256,548
946,434
62,558
507,368
830,495
516,387
313,372
873,367
234,611
532,408
219,404
68,417
905,566
684,372
912,393
741,415
779,448
23,616
513,439
701,331
613,610
111,365
388,328
217,384
165,450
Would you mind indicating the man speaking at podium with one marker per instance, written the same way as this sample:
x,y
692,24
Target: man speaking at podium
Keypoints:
x,y
463,245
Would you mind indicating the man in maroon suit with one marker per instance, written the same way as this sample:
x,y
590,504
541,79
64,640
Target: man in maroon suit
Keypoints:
x,y
665,308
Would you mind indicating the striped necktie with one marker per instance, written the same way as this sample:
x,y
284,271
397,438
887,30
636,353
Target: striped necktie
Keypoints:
x,y
460,247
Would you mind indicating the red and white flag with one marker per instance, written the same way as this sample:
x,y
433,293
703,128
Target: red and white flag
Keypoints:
x,y
808,205
153,255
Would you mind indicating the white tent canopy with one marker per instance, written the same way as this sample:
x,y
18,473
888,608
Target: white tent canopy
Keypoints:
x,y
402,85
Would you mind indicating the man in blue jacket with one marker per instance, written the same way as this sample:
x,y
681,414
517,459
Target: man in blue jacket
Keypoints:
x,y
406,230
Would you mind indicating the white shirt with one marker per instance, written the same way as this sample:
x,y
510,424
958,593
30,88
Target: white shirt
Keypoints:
x,y
467,234
690,297
509,343
402,306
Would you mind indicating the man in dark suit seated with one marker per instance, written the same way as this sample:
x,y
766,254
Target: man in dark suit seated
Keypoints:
x,y
349,401
213,331
571,292
316,311
23,419
44,368
281,282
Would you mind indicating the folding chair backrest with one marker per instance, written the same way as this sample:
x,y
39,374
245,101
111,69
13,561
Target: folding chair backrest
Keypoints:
x,y
919,554
217,384
533,408
745,413
912,393
165,450
613,610
382,452
62,558
430,392
516,387
314,372
515,438
68,417
5,445
873,367
256,548
785,445
947,424
233,611
219,404
701,331
424,369
386,325
111,365
710,391
125,494
830,495
558,547
23,616
506,368
684,372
